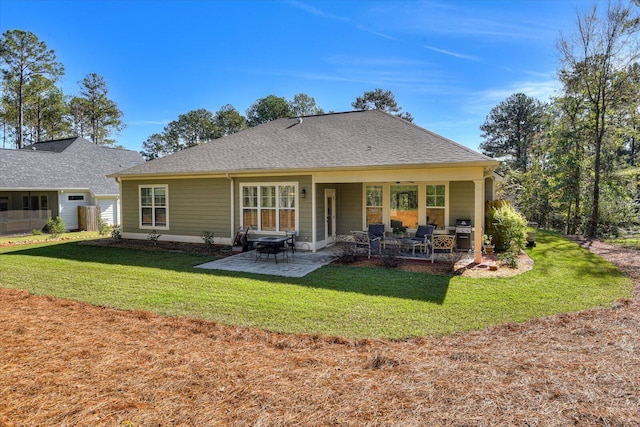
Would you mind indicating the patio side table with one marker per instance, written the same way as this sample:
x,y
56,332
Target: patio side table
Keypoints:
x,y
412,244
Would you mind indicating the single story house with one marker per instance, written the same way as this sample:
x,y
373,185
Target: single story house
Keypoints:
x,y
322,176
52,178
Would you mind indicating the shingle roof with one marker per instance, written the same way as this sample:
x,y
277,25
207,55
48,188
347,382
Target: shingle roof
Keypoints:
x,y
72,164
356,139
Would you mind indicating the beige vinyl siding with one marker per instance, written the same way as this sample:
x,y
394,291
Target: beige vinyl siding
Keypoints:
x,y
304,205
195,205
349,208
461,201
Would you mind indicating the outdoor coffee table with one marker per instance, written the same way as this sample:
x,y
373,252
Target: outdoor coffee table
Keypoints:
x,y
412,244
401,243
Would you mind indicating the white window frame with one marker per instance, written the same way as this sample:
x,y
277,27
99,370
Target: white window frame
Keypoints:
x,y
366,206
153,207
422,200
445,208
259,208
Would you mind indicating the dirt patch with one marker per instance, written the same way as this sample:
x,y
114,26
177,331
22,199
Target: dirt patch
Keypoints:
x,y
69,363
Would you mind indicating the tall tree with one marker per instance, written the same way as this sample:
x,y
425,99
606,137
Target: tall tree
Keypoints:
x,y
77,116
155,147
25,57
102,115
512,129
228,120
568,169
192,128
601,48
379,99
44,114
304,105
266,109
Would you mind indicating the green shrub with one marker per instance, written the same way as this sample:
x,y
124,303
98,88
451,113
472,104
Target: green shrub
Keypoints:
x,y
36,232
508,228
103,227
55,227
509,258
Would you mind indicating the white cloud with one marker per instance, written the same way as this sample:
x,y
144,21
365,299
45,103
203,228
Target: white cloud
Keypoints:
x,y
455,55
317,12
148,122
370,31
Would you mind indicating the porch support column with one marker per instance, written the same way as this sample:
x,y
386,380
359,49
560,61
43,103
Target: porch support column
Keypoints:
x,y
479,219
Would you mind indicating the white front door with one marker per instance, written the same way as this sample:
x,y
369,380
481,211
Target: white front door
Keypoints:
x,y
330,215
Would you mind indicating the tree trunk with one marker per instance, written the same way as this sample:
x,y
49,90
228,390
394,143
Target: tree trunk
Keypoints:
x,y
20,114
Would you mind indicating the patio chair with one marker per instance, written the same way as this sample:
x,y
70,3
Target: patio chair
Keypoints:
x,y
362,240
443,244
376,232
242,239
291,241
424,235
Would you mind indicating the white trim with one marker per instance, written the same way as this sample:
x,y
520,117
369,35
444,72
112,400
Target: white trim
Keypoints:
x,y
166,193
422,200
330,192
277,208
314,225
423,217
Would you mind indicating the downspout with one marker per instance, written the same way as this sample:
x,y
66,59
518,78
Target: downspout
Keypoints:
x,y
117,221
233,216
314,226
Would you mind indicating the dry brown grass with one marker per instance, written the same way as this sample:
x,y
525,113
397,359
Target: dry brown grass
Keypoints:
x,y
68,363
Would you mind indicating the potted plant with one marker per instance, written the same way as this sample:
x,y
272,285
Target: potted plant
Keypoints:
x,y
487,244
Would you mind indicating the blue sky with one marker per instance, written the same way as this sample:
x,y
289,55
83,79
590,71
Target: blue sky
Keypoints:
x,y
447,62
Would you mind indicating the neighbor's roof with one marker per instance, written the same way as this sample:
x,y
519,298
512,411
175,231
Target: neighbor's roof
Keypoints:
x,y
64,164
357,139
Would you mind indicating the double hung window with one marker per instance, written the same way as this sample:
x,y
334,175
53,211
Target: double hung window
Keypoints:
x,y
374,204
154,206
269,207
436,201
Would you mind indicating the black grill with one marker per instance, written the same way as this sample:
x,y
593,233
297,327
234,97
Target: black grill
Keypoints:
x,y
463,234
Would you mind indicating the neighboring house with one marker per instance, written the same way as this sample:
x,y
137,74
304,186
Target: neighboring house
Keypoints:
x,y
321,175
52,178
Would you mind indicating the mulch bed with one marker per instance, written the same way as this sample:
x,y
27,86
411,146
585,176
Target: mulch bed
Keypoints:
x,y
73,364
417,266
194,248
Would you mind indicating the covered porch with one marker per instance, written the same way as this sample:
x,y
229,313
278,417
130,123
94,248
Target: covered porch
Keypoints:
x,y
402,200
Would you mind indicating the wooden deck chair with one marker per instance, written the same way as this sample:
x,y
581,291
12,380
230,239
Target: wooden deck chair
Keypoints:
x,y
442,244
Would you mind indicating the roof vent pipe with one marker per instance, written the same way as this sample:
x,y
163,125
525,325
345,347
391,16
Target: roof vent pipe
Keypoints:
x,y
299,119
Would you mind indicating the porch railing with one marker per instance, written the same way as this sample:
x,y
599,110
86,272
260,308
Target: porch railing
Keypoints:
x,y
22,221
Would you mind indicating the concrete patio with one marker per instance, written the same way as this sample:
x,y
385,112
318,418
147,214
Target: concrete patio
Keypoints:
x,y
299,264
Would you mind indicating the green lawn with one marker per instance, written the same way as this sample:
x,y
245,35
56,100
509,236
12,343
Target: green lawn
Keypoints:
x,y
335,300
631,242
35,238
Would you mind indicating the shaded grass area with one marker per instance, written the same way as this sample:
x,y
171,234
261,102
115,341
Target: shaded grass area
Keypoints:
x,y
626,242
335,300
